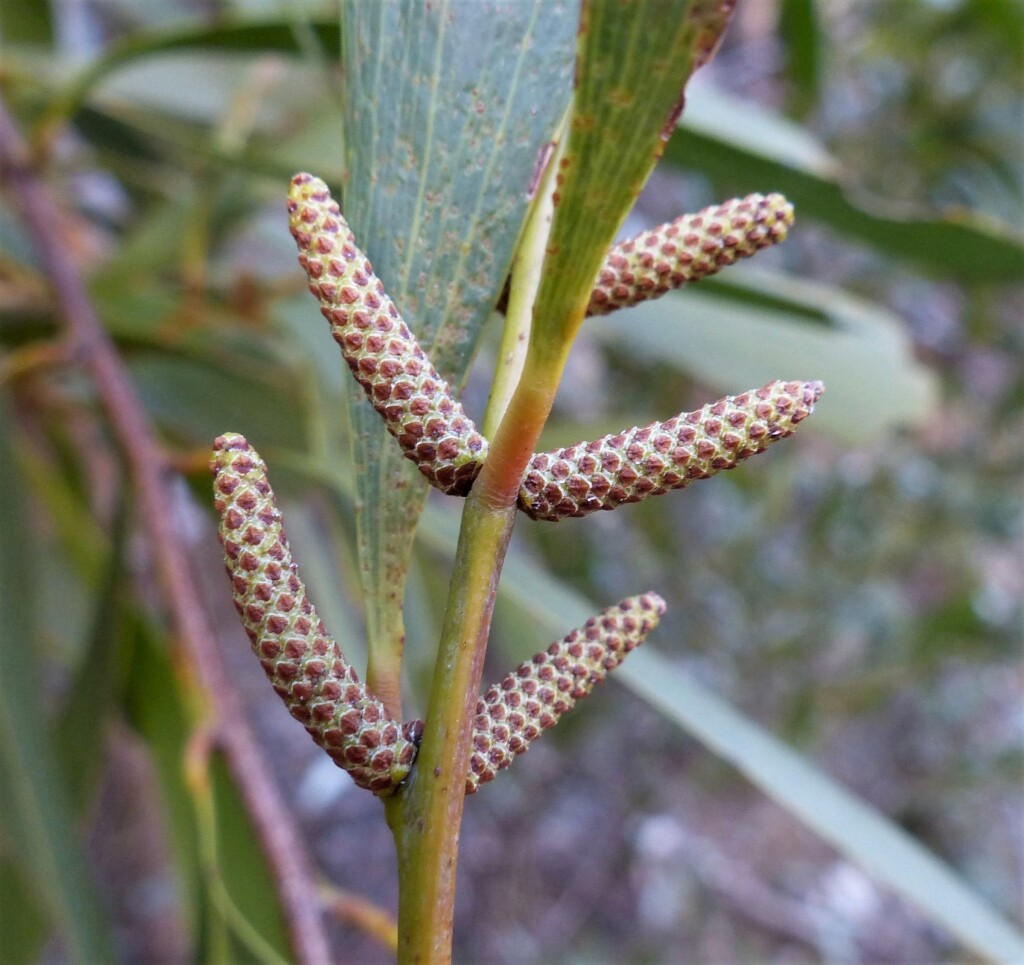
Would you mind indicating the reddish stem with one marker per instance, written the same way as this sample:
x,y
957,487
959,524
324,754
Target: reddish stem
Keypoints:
x,y
497,486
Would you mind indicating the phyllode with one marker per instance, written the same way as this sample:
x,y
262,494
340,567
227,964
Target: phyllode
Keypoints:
x,y
322,690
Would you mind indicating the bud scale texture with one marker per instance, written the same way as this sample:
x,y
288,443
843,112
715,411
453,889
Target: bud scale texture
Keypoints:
x,y
303,663
630,466
384,356
692,247
514,713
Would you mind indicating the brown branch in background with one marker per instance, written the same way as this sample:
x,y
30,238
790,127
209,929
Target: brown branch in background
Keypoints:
x,y
92,348
353,909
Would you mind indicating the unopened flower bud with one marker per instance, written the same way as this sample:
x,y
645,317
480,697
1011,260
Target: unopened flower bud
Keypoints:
x,y
399,379
302,662
515,712
630,466
688,249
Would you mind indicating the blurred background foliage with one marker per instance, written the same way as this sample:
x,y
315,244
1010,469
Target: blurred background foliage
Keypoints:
x,y
856,592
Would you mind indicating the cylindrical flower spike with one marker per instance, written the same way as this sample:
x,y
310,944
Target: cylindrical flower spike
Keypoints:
x,y
304,665
630,466
514,713
400,381
688,249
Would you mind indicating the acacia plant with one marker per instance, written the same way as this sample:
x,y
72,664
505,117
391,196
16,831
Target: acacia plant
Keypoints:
x,y
632,64
491,152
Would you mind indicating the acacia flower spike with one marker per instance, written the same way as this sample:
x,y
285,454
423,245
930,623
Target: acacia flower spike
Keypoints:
x,y
692,247
399,379
304,665
632,465
322,690
514,713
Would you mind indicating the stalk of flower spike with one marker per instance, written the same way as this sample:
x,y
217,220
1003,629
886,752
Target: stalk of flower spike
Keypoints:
x,y
514,713
632,465
399,379
692,247
302,662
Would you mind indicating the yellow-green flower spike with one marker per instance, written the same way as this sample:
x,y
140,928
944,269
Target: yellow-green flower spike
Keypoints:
x,y
632,465
688,249
514,713
302,662
400,381
322,690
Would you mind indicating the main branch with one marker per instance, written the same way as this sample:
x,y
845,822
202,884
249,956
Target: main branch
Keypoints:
x,y
426,817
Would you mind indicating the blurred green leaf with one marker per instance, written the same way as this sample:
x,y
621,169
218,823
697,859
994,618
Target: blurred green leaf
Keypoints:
x,y
243,868
273,33
856,829
1002,17
800,32
315,537
23,921
197,399
155,708
873,382
162,707
238,98
98,677
193,86
33,803
741,148
97,565
151,149
447,107
81,538
26,22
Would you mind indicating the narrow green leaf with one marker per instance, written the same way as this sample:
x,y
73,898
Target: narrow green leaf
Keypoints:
x,y
873,382
740,148
800,32
26,21
857,830
447,105
156,709
633,61
33,803
98,677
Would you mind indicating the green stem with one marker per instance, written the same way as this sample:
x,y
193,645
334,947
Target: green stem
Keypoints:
x,y
426,817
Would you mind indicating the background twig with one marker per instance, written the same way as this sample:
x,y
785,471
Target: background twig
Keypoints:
x,y
95,352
